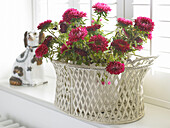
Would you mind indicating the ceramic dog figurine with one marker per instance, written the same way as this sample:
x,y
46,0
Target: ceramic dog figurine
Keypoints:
x,y
27,69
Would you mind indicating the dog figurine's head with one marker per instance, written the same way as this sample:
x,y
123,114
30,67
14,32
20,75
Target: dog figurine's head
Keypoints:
x,y
33,38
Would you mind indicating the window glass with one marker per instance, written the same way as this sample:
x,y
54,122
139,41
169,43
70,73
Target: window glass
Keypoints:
x,y
141,1
56,8
160,44
140,10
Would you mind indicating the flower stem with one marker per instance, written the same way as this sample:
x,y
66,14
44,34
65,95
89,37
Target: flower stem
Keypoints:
x,y
52,34
98,19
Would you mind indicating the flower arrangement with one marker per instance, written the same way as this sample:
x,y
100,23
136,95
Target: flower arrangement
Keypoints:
x,y
70,40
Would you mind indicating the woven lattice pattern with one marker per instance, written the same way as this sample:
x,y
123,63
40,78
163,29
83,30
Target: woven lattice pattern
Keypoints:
x,y
81,93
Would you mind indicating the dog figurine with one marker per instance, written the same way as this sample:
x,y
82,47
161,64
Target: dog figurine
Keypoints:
x,y
27,69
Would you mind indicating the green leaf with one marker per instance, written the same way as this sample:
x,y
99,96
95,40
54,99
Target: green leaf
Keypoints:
x,y
106,19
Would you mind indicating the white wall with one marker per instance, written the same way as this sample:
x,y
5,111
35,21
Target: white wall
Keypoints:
x,y
33,115
16,18
157,87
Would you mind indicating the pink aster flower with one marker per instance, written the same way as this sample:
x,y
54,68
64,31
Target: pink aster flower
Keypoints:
x,y
103,83
64,47
44,24
144,24
120,45
66,16
149,35
71,13
123,21
41,50
93,27
61,21
115,67
109,83
101,7
77,34
100,43
138,47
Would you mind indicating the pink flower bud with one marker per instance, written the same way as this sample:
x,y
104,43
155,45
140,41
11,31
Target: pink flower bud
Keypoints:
x,y
109,82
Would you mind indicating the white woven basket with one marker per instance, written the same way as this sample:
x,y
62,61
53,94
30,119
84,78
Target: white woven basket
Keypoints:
x,y
80,92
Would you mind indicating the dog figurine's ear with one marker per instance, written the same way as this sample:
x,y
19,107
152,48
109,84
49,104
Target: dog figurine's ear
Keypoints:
x,y
41,37
25,39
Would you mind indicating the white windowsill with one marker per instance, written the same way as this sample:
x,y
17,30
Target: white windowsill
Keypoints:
x,y
155,117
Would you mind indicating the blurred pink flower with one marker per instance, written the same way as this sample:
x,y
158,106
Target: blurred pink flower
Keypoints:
x,y
109,82
77,34
144,24
124,21
44,24
71,13
103,82
101,7
115,67
100,43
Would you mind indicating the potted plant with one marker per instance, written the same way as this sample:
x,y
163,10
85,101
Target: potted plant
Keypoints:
x,y
96,79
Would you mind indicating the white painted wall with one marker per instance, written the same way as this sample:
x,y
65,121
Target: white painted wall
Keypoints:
x,y
16,18
156,88
35,116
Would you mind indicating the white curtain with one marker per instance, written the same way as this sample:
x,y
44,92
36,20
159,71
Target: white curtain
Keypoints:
x,y
16,18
